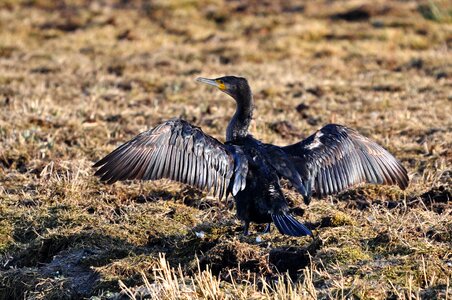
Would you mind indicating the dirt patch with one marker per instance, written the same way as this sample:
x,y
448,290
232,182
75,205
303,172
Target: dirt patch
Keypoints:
x,y
227,256
367,11
293,259
437,199
66,274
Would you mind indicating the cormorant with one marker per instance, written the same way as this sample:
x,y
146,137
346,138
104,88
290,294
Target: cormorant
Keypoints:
x,y
331,160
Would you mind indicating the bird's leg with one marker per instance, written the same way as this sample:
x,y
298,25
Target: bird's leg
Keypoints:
x,y
307,198
245,228
267,228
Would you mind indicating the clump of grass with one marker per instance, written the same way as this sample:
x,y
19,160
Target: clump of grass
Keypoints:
x,y
436,10
171,283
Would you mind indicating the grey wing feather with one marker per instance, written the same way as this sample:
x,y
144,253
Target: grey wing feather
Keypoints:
x,y
175,150
336,158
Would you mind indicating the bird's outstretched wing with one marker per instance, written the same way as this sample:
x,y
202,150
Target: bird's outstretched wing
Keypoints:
x,y
336,158
175,150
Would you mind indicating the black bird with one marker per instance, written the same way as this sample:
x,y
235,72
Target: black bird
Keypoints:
x,y
331,160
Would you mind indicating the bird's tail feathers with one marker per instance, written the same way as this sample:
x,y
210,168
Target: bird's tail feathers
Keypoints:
x,y
287,224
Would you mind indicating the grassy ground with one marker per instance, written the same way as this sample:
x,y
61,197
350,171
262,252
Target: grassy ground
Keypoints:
x,y
77,78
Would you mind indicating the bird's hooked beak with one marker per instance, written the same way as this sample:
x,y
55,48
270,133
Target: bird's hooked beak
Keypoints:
x,y
213,82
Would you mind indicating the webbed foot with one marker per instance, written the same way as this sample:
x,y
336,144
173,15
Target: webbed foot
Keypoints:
x,y
245,229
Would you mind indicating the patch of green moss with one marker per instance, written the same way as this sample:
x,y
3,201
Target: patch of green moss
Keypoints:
x,y
185,215
341,219
352,254
398,273
348,254
6,230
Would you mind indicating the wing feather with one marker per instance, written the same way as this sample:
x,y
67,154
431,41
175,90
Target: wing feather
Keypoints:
x,y
338,158
337,170
175,150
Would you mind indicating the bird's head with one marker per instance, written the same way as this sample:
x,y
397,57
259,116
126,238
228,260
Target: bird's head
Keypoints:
x,y
236,87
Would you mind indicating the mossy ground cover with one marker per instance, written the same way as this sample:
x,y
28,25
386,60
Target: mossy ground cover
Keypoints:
x,y
77,78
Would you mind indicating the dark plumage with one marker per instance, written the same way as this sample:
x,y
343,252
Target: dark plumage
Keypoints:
x,y
331,160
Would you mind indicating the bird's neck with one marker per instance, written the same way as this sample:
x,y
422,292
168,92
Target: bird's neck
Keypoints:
x,y
240,122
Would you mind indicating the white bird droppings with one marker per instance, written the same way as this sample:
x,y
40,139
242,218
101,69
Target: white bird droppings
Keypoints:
x,y
200,234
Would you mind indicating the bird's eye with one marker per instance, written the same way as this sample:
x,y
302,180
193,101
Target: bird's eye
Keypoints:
x,y
220,84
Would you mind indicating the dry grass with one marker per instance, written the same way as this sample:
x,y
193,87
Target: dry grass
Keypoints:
x,y
79,77
170,283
